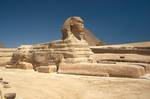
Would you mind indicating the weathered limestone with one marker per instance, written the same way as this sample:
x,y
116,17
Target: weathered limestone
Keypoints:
x,y
72,52
145,65
22,54
6,86
133,48
22,58
10,95
118,57
24,65
132,54
119,70
47,69
74,55
73,46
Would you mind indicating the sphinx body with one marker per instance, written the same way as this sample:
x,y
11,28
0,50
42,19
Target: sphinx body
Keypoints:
x,y
73,46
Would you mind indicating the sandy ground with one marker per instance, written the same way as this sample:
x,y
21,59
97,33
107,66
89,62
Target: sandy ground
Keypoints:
x,y
32,85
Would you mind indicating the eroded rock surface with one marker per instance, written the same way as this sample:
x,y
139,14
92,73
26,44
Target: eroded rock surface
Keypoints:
x,y
74,55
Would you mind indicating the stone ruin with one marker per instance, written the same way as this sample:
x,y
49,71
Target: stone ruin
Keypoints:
x,y
78,52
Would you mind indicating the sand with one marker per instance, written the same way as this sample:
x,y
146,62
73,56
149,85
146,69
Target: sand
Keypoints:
x,y
28,84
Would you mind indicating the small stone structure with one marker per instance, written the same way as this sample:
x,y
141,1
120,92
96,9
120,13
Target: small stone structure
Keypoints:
x,y
74,55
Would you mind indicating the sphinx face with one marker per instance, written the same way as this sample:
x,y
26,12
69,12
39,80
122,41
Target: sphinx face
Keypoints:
x,y
77,26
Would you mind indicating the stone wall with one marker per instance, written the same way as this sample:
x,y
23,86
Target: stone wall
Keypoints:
x,y
133,53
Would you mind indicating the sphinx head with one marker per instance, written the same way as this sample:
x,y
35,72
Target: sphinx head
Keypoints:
x,y
76,25
73,25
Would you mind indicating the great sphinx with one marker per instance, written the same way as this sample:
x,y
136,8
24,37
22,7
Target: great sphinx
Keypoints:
x,y
72,48
73,54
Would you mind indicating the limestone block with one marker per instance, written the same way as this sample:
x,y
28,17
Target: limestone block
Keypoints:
x,y
122,57
6,86
115,70
1,79
146,66
24,65
11,66
10,95
47,69
81,69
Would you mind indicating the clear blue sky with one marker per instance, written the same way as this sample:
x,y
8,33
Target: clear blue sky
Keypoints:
x,y
39,21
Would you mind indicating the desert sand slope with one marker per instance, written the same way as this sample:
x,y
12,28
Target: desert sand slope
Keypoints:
x,y
5,55
33,85
136,44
